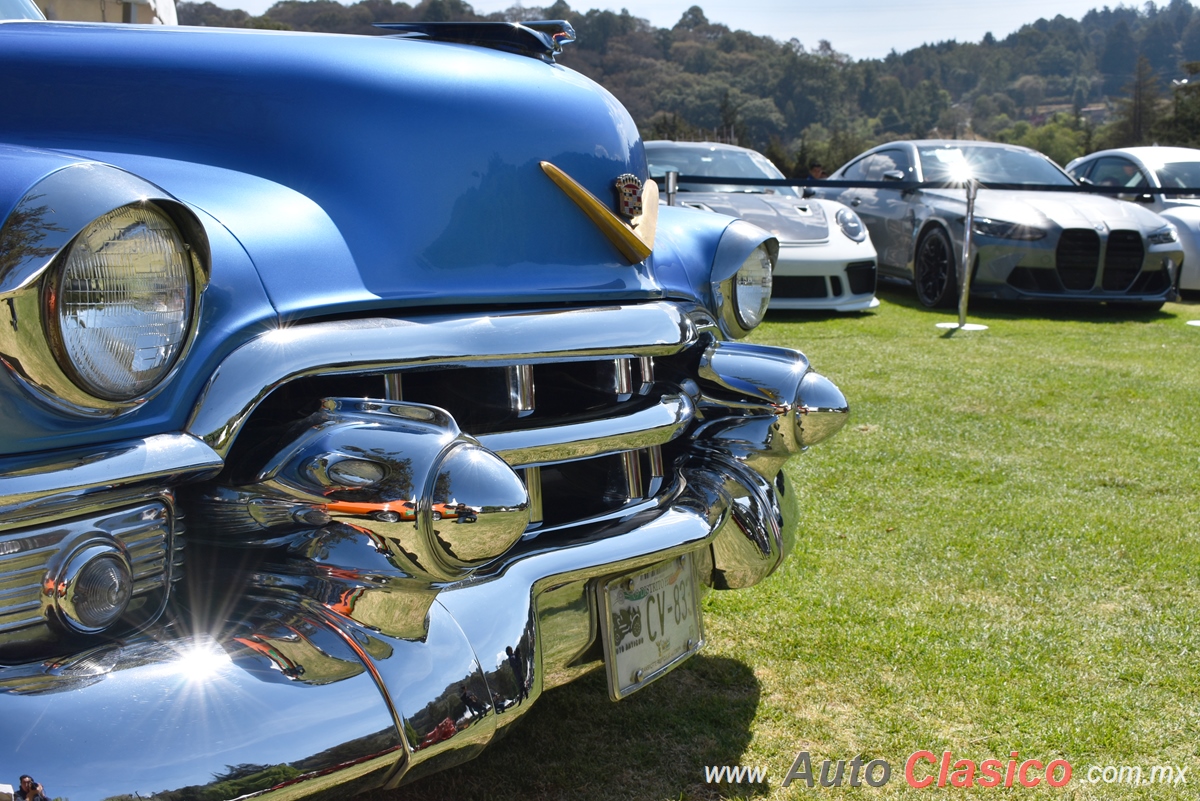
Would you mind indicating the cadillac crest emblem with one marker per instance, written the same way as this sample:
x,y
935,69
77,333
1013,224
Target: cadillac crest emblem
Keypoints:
x,y
629,195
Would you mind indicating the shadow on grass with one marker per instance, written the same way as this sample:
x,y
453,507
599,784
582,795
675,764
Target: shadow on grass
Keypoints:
x,y
816,315
575,743
901,294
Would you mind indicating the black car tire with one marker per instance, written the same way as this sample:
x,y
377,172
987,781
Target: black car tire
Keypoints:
x,y
935,273
386,516
437,515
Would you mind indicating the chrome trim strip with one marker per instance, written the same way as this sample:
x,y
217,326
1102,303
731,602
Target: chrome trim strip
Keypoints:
x,y
248,374
38,486
643,428
634,244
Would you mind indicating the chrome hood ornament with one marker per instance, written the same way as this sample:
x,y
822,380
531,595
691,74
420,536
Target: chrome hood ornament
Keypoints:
x,y
542,39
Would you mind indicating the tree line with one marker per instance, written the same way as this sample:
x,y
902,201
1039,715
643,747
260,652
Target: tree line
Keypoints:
x,y
1117,77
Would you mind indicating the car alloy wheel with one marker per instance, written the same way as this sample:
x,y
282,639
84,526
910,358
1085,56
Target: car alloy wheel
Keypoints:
x,y
934,266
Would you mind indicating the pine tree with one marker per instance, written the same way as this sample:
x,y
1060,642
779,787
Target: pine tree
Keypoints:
x,y
1182,127
1138,111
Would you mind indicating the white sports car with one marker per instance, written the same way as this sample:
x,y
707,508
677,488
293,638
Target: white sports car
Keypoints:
x,y
1153,169
826,259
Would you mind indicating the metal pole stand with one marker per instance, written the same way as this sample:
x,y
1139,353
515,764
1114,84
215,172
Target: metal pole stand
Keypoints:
x,y
964,266
672,187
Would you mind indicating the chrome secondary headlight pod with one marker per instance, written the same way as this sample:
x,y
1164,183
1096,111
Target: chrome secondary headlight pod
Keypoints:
x,y
442,504
741,277
119,306
1163,236
850,224
821,409
95,318
484,506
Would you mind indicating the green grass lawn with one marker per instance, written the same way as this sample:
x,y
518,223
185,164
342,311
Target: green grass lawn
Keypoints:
x,y
998,553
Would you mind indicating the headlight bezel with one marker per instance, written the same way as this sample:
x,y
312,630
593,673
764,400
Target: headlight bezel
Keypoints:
x,y
63,205
740,242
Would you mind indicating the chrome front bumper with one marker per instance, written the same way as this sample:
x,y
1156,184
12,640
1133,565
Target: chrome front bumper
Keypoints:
x,y
357,688
325,661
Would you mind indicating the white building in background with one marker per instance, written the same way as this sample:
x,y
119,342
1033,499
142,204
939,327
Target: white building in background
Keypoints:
x,y
153,12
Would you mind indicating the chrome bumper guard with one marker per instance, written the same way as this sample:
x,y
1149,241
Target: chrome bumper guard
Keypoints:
x,y
333,660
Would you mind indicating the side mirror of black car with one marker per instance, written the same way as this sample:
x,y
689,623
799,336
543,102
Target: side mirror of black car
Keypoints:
x,y
893,175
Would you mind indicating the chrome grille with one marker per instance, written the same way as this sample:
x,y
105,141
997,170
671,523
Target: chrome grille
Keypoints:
x,y
586,436
500,404
1077,258
27,556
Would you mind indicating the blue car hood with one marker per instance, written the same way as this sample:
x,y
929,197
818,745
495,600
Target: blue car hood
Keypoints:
x,y
355,171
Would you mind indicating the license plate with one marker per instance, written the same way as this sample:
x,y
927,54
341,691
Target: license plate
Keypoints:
x,y
650,623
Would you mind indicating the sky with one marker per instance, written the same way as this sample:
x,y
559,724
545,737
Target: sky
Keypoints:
x,y
860,28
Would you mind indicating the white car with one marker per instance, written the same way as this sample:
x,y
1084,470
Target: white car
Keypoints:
x,y
826,259
1150,169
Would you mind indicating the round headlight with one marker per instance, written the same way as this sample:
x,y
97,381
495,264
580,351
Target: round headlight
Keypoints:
x,y
752,288
120,307
850,224
96,586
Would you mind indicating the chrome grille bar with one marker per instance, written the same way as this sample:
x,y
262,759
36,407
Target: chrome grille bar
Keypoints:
x,y
395,386
521,389
647,365
252,371
533,484
658,470
657,423
623,379
631,465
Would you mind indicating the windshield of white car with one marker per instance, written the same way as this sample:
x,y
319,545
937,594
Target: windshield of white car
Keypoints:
x,y
1179,174
712,162
19,9
989,165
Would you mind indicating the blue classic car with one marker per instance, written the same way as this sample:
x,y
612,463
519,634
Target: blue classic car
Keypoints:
x,y
355,391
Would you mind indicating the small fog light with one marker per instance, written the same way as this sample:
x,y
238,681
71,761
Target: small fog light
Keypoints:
x,y
94,588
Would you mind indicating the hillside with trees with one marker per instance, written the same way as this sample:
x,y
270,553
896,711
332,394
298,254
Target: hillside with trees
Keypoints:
x,y
1120,76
